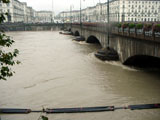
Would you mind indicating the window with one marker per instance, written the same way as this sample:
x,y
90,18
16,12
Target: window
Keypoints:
x,y
142,19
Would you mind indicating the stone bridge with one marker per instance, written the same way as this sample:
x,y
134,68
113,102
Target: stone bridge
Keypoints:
x,y
133,47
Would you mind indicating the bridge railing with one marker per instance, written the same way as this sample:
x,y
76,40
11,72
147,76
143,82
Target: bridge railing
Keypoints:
x,y
98,27
144,31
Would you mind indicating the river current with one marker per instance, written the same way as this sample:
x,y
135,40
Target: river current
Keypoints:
x,y
57,72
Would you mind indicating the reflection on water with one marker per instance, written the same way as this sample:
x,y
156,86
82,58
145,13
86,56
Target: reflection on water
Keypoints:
x,y
59,72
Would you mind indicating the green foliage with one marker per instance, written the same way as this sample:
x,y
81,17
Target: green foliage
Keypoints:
x,y
132,25
119,25
158,25
6,58
139,26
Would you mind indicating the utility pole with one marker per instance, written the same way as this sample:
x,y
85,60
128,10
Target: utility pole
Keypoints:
x,y
81,16
71,6
123,14
100,11
118,11
108,23
52,13
70,15
63,19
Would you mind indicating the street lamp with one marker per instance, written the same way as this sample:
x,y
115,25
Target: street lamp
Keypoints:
x,y
108,53
80,16
71,6
108,23
52,12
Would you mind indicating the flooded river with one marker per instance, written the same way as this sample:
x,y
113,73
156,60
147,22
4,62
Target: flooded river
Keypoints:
x,y
58,72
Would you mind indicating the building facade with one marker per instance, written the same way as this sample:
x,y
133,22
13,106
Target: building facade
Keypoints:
x,y
20,12
119,11
44,16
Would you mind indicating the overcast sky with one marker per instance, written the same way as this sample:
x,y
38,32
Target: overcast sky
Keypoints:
x,y
60,5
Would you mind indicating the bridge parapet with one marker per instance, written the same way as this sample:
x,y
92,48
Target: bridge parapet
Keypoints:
x,y
98,27
137,34
142,31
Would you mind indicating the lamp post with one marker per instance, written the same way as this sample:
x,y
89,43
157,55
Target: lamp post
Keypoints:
x,y
108,23
52,13
63,19
117,12
81,16
108,53
71,15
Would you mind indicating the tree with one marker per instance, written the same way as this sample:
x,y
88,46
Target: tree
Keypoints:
x,y
6,58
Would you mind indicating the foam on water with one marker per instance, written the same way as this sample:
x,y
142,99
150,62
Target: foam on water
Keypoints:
x,y
81,42
115,63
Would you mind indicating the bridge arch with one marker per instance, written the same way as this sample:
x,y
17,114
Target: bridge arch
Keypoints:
x,y
93,39
143,61
77,33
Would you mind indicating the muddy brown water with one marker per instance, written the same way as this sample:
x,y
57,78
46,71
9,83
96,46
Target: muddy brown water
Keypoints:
x,y
57,72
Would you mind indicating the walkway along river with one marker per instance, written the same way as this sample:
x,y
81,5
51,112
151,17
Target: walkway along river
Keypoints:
x,y
58,72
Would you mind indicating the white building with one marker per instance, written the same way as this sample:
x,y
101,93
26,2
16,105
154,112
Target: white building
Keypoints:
x,y
68,16
7,8
140,10
17,11
44,16
75,15
25,12
120,10
20,12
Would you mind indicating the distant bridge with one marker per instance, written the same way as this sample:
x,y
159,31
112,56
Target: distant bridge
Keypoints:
x,y
30,26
